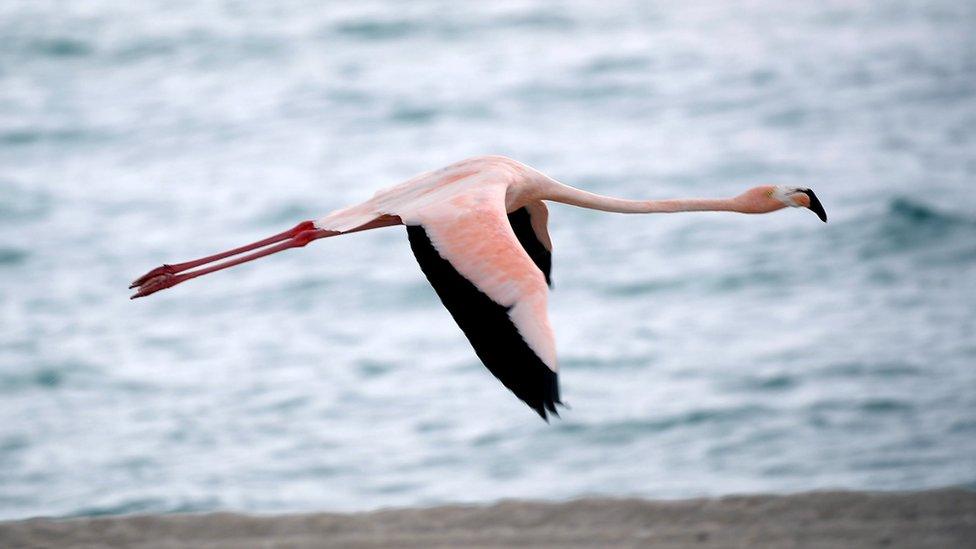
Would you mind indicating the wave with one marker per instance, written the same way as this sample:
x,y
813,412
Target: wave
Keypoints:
x,y
908,225
375,29
625,430
379,29
200,47
58,47
27,136
44,378
906,210
50,376
12,256
134,505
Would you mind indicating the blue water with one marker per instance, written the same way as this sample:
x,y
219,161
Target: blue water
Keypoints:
x,y
702,354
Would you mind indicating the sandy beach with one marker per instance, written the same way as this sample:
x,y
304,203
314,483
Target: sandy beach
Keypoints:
x,y
937,519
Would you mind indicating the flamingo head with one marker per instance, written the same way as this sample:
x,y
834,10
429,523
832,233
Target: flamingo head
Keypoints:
x,y
769,198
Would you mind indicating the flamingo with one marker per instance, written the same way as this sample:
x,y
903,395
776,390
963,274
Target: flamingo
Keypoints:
x,y
478,229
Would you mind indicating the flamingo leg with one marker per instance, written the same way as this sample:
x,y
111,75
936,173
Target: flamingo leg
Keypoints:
x,y
162,278
180,267
167,276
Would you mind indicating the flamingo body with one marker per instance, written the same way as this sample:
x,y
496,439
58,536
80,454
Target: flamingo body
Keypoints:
x,y
461,234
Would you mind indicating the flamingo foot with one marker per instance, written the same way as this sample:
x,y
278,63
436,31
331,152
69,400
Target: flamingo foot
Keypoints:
x,y
158,271
155,280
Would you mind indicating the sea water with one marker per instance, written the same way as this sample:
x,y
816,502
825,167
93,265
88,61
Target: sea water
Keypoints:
x,y
701,354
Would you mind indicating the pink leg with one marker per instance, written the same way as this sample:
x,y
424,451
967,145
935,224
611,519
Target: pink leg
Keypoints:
x,y
180,267
300,235
168,279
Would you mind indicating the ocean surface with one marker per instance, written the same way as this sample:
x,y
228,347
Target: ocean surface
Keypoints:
x,y
702,354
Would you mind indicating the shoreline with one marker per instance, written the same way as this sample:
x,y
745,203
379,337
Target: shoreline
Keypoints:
x,y
936,518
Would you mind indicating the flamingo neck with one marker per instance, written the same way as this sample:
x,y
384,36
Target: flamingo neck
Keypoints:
x,y
576,197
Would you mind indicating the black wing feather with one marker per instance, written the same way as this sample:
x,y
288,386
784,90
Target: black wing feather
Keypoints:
x,y
522,225
489,329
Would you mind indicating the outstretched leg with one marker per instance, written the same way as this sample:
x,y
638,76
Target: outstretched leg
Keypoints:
x,y
300,235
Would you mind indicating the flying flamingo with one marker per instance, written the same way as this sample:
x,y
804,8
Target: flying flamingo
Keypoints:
x,y
478,230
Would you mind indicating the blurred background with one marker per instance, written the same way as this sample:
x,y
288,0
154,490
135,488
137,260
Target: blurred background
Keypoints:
x,y
702,354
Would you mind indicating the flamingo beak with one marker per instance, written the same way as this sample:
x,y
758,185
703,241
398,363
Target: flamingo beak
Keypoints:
x,y
815,205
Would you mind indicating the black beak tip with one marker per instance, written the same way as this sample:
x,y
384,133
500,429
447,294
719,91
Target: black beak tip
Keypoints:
x,y
820,213
815,205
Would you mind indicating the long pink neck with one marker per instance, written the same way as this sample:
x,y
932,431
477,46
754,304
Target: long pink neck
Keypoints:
x,y
565,194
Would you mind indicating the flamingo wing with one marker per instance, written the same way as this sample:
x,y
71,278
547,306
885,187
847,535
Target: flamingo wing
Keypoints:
x,y
496,293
